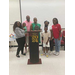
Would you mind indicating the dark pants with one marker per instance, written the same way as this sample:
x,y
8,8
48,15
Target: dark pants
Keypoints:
x,y
51,45
20,42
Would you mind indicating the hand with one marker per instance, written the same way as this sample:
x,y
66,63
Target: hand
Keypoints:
x,y
25,34
23,29
50,38
59,38
46,43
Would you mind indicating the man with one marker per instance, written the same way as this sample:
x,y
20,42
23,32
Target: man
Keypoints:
x,y
28,24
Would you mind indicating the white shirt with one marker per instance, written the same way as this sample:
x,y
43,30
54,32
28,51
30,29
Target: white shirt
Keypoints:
x,y
45,36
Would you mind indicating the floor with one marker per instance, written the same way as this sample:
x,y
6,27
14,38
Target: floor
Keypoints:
x,y
53,65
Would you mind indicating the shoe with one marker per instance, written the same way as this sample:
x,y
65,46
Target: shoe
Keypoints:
x,y
42,54
57,53
54,53
50,52
24,54
47,56
18,56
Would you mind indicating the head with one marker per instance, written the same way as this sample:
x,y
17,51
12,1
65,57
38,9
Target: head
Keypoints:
x,y
55,21
46,22
17,24
28,18
35,20
24,24
45,29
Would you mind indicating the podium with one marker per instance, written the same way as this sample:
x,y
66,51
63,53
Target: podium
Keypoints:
x,y
34,47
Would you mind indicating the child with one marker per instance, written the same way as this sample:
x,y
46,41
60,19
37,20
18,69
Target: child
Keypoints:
x,y
46,36
25,28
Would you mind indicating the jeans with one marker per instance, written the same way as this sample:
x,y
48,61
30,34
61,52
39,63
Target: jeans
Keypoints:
x,y
57,44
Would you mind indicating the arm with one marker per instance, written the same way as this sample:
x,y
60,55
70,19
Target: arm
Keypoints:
x,y
48,38
19,32
59,32
51,34
31,27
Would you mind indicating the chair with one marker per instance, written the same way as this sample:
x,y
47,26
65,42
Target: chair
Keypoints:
x,y
63,38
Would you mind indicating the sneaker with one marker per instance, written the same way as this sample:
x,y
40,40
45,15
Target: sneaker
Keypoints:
x,y
54,53
50,52
18,56
57,53
42,54
47,55
24,54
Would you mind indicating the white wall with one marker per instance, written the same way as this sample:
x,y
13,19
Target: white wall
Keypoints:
x,y
44,10
14,13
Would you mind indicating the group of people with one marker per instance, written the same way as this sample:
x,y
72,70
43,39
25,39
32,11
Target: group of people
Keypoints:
x,y
49,33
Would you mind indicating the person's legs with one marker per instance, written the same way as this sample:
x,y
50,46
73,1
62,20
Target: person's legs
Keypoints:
x,y
47,52
26,48
56,45
22,45
43,49
19,47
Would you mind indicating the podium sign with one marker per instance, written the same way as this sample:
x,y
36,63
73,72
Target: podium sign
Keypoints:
x,y
34,47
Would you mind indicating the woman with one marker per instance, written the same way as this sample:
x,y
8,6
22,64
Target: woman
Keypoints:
x,y
56,29
36,26
20,37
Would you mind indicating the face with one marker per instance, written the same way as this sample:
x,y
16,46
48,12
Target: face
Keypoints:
x,y
35,20
54,21
24,24
28,18
46,23
45,29
18,24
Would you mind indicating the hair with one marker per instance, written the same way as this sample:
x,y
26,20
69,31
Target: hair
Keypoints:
x,y
56,20
46,21
27,16
15,25
24,23
34,18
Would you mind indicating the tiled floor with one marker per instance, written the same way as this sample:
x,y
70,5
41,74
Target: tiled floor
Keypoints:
x,y
53,65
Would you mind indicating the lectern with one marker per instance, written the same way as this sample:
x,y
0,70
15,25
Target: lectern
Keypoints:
x,y
34,47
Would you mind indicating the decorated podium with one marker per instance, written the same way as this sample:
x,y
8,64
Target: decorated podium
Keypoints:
x,y
34,47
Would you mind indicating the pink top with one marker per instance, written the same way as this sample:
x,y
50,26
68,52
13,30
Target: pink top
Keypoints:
x,y
28,24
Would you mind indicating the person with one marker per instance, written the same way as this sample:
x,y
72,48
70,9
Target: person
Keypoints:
x,y
46,37
20,37
56,29
25,29
28,24
33,25
46,24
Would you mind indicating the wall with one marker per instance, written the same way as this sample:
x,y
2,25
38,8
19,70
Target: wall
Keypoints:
x,y
44,10
14,15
